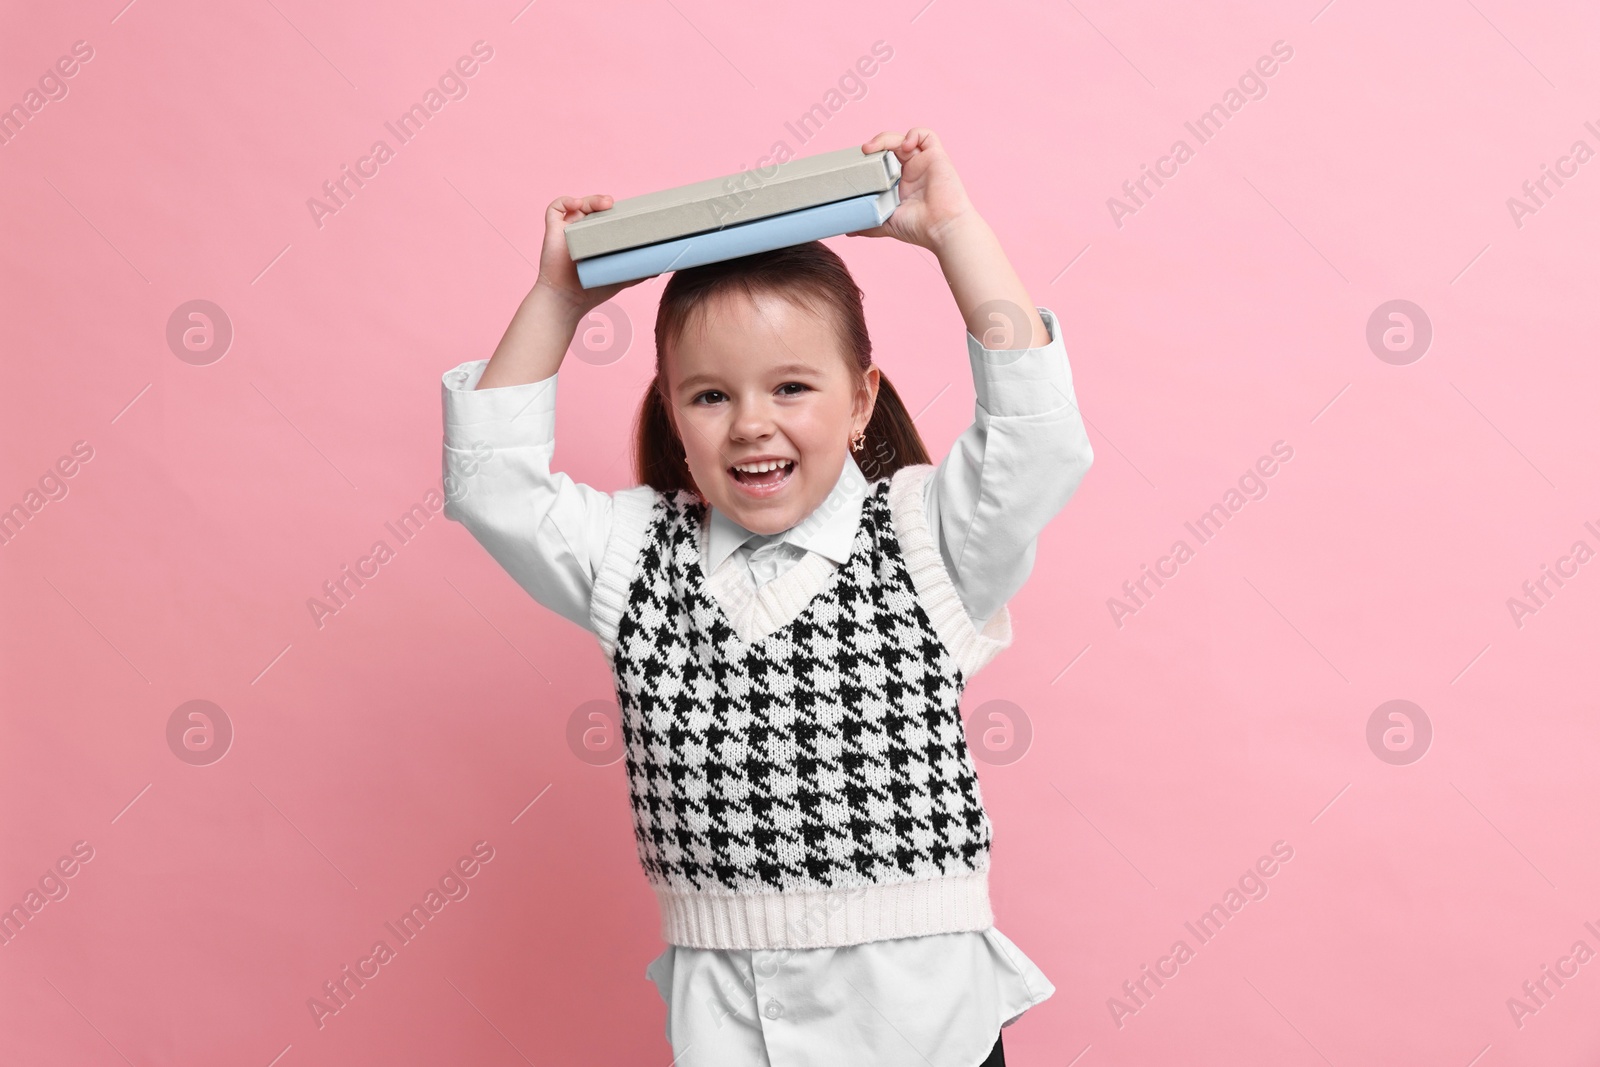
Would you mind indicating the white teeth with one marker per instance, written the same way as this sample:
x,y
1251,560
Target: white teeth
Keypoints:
x,y
757,468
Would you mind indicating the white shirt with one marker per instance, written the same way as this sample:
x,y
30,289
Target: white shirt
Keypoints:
x,y
934,1001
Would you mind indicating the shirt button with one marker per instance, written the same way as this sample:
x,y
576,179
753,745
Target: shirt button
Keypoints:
x,y
774,1009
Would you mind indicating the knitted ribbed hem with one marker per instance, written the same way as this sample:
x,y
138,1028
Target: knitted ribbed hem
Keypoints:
x,y
935,588
630,519
824,918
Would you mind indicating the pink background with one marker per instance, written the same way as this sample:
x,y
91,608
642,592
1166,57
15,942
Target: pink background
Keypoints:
x,y
1227,313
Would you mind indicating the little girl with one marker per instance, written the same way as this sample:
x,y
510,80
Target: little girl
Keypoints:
x,y
791,603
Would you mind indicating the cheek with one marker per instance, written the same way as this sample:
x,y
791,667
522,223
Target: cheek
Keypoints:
x,y
819,429
701,432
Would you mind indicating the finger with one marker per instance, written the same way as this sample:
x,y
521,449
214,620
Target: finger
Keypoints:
x,y
886,139
565,208
917,139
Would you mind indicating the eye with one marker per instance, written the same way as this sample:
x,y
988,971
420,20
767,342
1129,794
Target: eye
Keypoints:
x,y
798,385
708,392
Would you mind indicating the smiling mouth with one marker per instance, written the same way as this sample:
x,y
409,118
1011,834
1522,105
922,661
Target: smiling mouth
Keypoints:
x,y
763,482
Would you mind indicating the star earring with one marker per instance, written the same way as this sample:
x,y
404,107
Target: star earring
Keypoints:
x,y
858,441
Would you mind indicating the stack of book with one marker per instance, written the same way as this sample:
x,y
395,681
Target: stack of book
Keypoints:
x,y
736,215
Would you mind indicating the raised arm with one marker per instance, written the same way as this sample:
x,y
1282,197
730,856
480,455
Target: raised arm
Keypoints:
x,y
1010,472
935,214
536,341
1021,460
546,530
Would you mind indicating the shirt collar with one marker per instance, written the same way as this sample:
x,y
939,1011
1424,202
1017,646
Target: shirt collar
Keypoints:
x,y
830,529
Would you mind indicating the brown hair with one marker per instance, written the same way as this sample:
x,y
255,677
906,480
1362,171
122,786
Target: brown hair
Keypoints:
x,y
810,275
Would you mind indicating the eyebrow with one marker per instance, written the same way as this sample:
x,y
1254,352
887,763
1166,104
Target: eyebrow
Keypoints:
x,y
802,369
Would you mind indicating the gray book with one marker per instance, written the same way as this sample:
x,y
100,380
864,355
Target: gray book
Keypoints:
x,y
703,207
743,239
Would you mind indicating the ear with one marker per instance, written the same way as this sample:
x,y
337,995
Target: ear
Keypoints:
x,y
866,400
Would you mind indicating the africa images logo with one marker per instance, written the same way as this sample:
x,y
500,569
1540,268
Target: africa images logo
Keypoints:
x,y
453,886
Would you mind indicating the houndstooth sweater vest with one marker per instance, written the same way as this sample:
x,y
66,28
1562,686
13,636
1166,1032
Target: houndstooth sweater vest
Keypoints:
x,y
812,787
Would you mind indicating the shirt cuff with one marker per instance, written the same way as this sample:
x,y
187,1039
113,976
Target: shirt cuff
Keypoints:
x,y
1023,381
507,416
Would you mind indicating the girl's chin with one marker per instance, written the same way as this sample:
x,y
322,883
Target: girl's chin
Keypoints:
x,y
762,515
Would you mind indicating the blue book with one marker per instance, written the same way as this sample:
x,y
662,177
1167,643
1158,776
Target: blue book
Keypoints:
x,y
741,239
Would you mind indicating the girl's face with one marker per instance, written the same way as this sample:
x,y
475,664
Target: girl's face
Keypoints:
x,y
764,379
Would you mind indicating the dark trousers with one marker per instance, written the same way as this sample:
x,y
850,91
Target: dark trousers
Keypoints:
x,y
997,1055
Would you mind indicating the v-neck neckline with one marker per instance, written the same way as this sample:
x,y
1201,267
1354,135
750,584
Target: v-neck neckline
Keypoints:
x,y
702,584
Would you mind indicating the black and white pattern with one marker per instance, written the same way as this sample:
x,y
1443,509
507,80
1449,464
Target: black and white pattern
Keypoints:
x,y
827,755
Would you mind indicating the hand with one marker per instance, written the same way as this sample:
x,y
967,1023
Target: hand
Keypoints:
x,y
557,273
931,195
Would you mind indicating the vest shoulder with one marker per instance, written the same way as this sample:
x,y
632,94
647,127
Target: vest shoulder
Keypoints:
x,y
906,487
633,512
640,500
910,474
935,585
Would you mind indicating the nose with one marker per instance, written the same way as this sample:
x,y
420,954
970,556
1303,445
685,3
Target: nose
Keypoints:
x,y
752,421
